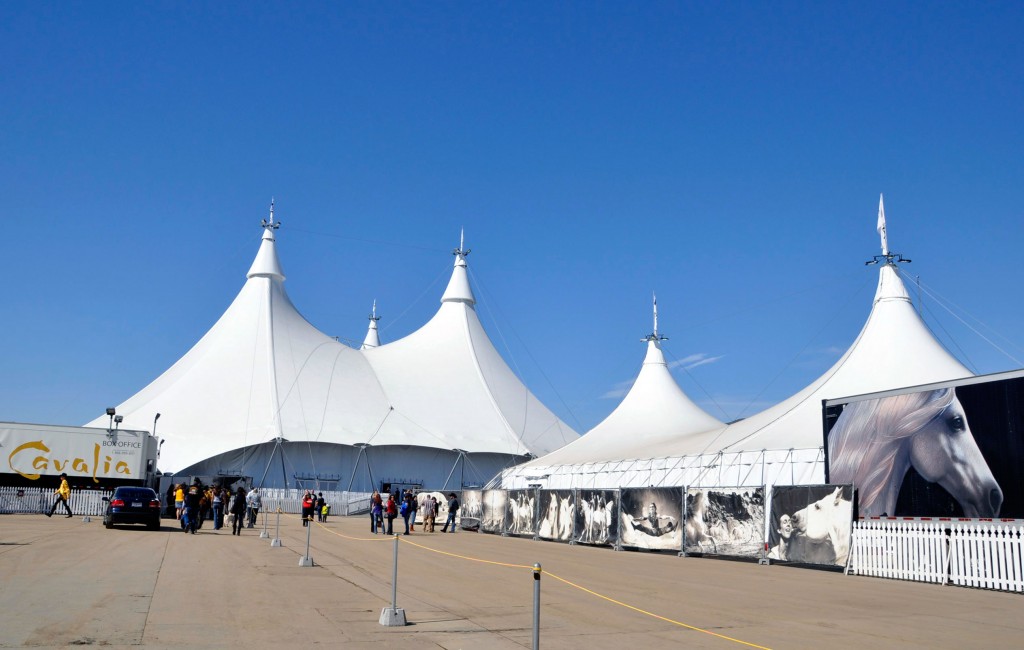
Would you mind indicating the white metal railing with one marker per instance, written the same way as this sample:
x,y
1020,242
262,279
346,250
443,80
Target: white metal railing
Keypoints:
x,y
290,501
33,500
987,555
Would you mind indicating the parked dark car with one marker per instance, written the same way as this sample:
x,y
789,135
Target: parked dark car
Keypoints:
x,y
132,505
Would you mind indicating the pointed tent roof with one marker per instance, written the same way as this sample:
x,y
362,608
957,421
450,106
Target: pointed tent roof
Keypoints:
x,y
448,377
263,372
894,349
655,408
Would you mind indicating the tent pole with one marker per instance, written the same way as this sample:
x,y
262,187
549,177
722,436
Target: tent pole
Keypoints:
x,y
457,458
356,467
270,461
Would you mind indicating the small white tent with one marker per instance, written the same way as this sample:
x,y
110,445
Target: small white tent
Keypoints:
x,y
654,410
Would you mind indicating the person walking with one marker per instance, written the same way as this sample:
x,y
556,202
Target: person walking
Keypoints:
x,y
254,502
453,509
319,507
406,510
193,498
414,506
218,508
307,508
63,493
238,510
376,505
179,503
429,512
391,509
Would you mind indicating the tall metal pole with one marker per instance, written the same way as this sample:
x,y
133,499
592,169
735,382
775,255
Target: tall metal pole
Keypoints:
x,y
394,578
536,606
393,616
307,560
277,530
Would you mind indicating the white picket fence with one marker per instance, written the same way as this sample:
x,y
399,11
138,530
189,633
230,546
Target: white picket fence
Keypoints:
x,y
987,555
31,500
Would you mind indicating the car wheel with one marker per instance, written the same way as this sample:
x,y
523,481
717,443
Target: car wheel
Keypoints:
x,y
108,524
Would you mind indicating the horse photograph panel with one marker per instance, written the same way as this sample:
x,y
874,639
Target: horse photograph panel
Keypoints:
x,y
521,518
596,520
651,518
811,524
725,521
495,508
471,509
950,452
557,512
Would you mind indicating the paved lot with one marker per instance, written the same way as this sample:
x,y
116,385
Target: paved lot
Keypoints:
x,y
65,582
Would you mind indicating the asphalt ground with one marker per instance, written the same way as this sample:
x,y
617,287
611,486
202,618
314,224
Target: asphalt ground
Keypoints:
x,y
70,583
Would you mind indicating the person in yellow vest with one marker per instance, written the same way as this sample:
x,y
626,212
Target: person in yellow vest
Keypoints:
x,y
63,494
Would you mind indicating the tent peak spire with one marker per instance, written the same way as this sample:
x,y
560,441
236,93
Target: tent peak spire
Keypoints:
x,y
372,339
886,255
654,337
266,264
458,287
269,225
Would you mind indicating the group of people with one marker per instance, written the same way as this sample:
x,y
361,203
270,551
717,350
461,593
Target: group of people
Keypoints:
x,y
408,506
195,503
314,504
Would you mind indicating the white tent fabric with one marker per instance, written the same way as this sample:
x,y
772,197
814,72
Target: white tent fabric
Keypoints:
x,y
263,373
782,444
654,410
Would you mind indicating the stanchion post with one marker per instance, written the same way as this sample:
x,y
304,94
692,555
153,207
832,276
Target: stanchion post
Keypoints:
x,y
276,542
264,534
306,560
536,606
393,616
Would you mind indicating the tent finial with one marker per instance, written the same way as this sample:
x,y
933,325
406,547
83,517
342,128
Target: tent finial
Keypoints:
x,y
373,313
270,224
881,226
461,252
655,336
886,255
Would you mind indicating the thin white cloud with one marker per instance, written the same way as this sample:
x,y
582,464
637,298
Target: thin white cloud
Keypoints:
x,y
618,391
693,360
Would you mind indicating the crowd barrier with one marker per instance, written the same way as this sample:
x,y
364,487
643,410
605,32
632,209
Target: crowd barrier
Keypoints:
x,y
33,500
986,555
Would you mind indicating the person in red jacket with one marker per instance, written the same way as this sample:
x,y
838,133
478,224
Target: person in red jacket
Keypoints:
x,y
391,511
307,508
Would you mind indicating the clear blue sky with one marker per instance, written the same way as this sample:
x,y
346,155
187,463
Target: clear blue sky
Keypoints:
x,y
727,155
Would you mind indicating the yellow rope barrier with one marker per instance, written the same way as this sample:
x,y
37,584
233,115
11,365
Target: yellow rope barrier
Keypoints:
x,y
556,577
653,615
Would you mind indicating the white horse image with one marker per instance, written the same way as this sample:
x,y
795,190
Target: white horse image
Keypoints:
x,y
696,529
566,513
823,530
875,442
557,520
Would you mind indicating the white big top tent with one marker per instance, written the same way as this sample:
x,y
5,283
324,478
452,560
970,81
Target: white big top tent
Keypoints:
x,y
782,445
264,394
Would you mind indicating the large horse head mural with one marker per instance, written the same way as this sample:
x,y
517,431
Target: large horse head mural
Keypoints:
x,y
875,442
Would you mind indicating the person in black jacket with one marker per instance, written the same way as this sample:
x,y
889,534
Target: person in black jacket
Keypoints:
x,y
238,510
453,509
193,498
